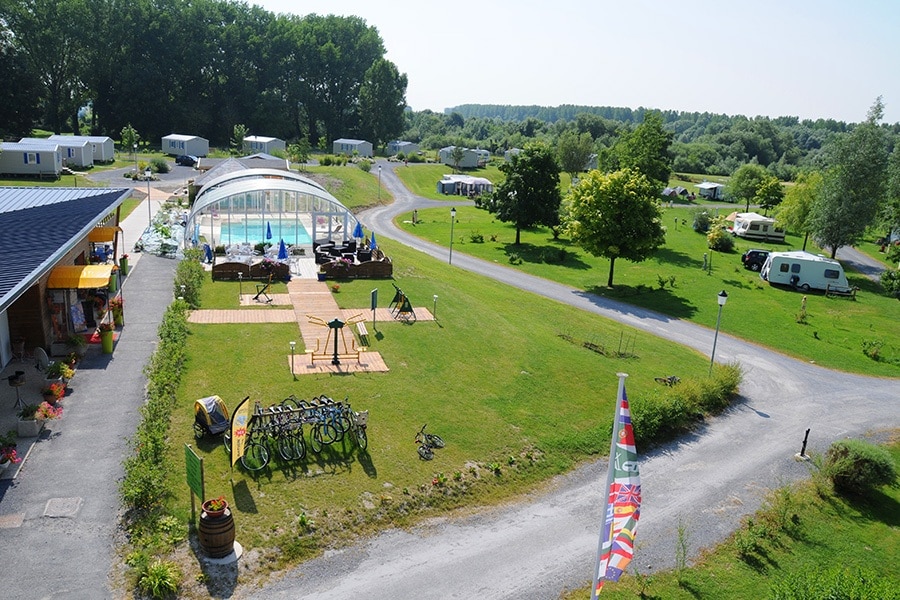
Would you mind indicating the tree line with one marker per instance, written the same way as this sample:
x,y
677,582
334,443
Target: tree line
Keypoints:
x,y
198,67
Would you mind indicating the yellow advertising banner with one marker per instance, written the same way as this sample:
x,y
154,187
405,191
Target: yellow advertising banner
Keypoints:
x,y
240,418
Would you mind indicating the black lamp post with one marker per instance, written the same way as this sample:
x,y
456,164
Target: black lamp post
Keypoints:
x,y
452,221
147,175
293,345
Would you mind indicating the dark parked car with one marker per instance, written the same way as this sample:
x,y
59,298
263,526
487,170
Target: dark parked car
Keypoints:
x,y
186,160
754,259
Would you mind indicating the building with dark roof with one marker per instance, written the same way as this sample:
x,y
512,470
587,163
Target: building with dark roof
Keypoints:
x,y
45,228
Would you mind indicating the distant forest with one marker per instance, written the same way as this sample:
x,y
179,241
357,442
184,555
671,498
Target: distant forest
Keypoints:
x,y
715,144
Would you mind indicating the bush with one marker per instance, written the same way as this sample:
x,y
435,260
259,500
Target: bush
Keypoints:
x,y
160,579
720,240
364,165
890,281
701,221
858,467
326,161
189,275
159,165
476,237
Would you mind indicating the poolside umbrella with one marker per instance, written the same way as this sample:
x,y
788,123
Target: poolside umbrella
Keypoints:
x,y
282,251
372,244
358,232
268,230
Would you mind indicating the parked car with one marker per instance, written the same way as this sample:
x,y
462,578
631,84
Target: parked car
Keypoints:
x,y
754,259
186,160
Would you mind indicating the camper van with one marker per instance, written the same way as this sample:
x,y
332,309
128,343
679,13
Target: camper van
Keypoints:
x,y
805,271
752,226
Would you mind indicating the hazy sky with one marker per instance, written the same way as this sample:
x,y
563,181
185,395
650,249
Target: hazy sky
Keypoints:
x,y
804,58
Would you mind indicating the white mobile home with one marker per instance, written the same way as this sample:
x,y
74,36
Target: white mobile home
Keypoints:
x,y
470,158
753,226
74,153
464,185
398,146
805,271
258,143
177,144
103,148
711,190
349,147
41,159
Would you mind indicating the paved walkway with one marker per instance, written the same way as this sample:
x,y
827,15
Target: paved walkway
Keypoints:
x,y
59,515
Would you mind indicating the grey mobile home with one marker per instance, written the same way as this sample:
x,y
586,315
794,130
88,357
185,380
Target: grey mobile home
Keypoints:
x,y
40,159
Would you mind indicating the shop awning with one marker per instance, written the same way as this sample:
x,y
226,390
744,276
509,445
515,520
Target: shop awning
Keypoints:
x,y
79,277
103,234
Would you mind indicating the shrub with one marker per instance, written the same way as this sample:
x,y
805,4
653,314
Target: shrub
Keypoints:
x,y
364,165
858,467
326,161
189,275
720,240
159,165
701,221
476,238
890,281
160,579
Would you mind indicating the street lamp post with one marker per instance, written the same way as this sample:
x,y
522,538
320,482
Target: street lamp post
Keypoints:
x,y
240,287
721,298
147,174
452,220
379,184
134,147
434,308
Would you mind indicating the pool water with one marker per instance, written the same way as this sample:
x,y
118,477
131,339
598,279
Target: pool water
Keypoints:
x,y
255,231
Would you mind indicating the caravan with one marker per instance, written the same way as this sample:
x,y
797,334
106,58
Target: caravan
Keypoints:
x,y
753,226
805,271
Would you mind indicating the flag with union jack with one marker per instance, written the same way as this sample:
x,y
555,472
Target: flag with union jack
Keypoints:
x,y
623,507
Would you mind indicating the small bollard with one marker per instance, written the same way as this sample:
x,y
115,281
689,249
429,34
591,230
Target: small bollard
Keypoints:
x,y
802,454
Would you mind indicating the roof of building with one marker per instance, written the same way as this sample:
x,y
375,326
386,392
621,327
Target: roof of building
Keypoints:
x,y
35,145
261,138
708,185
55,141
88,138
349,141
40,225
182,137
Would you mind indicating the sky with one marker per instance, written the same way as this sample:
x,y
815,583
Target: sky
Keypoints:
x,y
803,58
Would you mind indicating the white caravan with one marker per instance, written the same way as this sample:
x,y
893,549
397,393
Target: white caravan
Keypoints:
x,y
753,226
805,271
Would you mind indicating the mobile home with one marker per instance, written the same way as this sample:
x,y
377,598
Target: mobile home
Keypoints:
x,y
103,148
260,143
177,144
348,147
41,159
752,226
805,271
74,152
470,159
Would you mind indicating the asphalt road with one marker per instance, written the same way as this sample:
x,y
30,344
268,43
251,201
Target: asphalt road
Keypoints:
x,y
538,547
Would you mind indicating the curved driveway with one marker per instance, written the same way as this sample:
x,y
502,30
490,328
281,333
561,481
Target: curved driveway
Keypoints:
x,y
545,543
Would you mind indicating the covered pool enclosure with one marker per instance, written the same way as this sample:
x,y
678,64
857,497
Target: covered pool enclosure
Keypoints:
x,y
267,206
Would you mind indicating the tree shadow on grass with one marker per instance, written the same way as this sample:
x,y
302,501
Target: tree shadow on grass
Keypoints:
x,y
554,253
666,256
642,296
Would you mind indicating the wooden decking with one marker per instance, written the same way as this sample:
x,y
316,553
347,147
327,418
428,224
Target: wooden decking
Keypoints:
x,y
310,298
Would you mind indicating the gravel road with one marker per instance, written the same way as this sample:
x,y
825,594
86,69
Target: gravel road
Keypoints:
x,y
543,544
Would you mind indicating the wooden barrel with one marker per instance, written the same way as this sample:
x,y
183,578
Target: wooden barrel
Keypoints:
x,y
217,534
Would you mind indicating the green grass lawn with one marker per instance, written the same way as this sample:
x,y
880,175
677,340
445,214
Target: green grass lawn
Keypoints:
x,y
833,332
502,375
355,188
857,536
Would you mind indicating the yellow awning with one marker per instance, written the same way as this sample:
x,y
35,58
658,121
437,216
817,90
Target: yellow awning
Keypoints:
x,y
79,277
103,234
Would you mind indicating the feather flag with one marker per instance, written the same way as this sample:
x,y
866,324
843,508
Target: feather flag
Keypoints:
x,y
240,420
623,504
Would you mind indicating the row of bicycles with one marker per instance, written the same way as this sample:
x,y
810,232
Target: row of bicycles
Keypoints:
x,y
281,427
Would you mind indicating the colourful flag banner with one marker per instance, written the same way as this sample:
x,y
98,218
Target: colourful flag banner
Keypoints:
x,y
623,504
239,420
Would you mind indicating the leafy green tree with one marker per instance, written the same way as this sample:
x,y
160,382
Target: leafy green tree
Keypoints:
x,y
18,103
889,215
769,193
457,153
574,151
529,195
745,183
237,138
646,149
129,137
382,100
299,151
616,216
854,184
794,212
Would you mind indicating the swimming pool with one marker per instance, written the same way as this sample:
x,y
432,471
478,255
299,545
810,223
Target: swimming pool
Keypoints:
x,y
254,231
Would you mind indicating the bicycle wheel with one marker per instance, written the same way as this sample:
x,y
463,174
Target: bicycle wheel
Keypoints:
x,y
435,440
342,423
290,403
328,433
361,438
286,446
226,439
425,452
315,438
255,456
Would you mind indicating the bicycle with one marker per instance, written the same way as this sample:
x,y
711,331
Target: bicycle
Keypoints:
x,y
358,422
428,442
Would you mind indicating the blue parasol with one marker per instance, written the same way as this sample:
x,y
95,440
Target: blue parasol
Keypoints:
x,y
282,251
268,230
372,244
358,232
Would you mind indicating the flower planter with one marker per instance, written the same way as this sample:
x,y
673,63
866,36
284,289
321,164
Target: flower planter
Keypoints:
x,y
106,342
29,427
114,283
123,266
321,276
214,513
119,318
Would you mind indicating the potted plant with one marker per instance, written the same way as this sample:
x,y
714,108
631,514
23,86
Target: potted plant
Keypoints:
x,y
77,344
46,412
123,264
8,455
53,393
60,370
117,307
215,507
29,425
106,336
